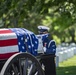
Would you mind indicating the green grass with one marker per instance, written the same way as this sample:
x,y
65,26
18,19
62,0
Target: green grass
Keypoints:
x,y
67,67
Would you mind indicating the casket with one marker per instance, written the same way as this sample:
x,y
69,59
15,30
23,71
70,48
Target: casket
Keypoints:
x,y
14,40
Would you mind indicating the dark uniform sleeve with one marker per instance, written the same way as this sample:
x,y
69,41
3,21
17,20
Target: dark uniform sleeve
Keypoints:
x,y
50,46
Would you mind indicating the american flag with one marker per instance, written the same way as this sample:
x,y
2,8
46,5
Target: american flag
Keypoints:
x,y
13,40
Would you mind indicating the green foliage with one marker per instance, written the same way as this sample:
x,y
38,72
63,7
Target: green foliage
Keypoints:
x,y
58,15
67,67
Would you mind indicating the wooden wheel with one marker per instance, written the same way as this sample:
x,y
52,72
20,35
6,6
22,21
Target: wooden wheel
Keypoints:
x,y
22,64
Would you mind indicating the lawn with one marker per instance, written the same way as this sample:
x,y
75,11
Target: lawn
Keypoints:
x,y
67,67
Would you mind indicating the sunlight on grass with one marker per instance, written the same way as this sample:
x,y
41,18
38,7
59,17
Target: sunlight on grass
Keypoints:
x,y
67,67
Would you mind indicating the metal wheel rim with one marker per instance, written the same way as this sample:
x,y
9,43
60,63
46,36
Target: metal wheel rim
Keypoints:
x,y
10,63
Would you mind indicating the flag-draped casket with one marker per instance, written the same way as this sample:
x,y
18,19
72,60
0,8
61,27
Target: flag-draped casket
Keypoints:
x,y
13,40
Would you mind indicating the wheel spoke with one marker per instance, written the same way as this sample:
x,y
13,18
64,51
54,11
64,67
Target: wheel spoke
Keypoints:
x,y
20,67
15,69
31,69
25,67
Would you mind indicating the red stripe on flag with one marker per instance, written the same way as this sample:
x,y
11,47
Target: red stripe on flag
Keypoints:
x,y
5,31
7,55
8,42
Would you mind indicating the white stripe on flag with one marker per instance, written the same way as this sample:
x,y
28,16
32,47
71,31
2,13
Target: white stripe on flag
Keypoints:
x,y
8,36
3,29
9,49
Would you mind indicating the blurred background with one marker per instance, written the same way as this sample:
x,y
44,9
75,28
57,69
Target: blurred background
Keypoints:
x,y
58,15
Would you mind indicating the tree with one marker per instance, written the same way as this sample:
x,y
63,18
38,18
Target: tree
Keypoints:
x,y
59,15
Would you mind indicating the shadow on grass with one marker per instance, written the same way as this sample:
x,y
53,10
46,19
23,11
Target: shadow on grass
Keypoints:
x,y
71,70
